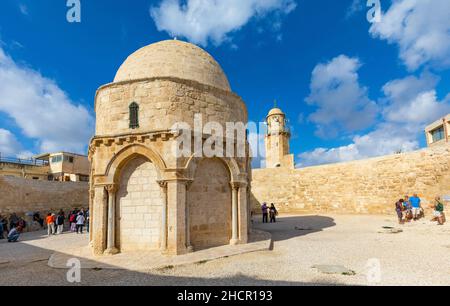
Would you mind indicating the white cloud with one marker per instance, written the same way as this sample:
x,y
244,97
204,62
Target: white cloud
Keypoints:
x,y
421,28
355,7
413,101
343,104
202,21
23,9
10,146
410,104
42,110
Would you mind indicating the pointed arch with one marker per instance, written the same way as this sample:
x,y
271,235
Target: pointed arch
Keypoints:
x,y
230,164
119,161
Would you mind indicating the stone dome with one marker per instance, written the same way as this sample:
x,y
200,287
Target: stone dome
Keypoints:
x,y
275,111
173,58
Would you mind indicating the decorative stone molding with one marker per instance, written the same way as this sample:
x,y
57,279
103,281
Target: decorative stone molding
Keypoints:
x,y
108,140
112,188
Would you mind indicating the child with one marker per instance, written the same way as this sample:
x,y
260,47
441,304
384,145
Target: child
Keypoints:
x,y
399,208
73,221
407,209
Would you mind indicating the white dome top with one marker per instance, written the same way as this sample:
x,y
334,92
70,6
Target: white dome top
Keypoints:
x,y
173,58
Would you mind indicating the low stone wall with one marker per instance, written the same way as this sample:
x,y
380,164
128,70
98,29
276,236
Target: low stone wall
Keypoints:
x,y
19,195
362,187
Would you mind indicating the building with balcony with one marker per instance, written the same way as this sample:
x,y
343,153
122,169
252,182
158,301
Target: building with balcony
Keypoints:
x,y
60,166
438,132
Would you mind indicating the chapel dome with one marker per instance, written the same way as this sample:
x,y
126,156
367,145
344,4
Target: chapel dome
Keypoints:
x,y
173,58
275,111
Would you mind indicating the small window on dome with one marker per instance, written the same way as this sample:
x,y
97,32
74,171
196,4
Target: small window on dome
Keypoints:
x,y
134,115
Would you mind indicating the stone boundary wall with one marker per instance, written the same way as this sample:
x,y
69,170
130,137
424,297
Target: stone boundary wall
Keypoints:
x,y
21,195
362,187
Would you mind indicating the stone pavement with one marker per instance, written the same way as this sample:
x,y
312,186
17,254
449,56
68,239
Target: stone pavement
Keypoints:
x,y
299,243
144,261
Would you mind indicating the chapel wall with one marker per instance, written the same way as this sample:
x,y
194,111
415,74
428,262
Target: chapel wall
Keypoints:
x,y
162,103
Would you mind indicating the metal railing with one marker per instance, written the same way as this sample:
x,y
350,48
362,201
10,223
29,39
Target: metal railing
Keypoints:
x,y
21,161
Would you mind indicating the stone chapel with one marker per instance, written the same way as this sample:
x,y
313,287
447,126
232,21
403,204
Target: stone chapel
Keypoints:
x,y
142,196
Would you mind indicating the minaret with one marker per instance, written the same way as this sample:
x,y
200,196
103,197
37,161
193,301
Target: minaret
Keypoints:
x,y
277,141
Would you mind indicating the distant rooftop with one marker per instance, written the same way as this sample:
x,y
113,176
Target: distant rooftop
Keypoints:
x,y
46,156
23,161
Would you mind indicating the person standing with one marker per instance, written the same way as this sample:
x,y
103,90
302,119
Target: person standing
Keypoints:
x,y
50,225
273,213
38,219
87,220
80,223
1,228
13,219
73,221
438,211
416,207
4,223
265,209
60,223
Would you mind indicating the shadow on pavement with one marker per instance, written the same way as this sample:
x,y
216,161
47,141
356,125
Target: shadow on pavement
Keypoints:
x,y
290,227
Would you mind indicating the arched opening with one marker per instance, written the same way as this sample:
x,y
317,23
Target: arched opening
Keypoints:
x,y
209,200
139,204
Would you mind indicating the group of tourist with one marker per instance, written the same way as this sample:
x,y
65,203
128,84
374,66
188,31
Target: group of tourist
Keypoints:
x,y
77,219
410,209
269,213
13,227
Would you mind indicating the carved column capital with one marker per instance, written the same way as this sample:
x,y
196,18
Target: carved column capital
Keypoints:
x,y
111,188
162,184
237,185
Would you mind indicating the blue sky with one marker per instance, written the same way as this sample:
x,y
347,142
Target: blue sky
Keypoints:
x,y
351,89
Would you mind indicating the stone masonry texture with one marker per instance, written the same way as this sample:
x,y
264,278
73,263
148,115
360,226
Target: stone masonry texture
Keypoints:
x,y
362,187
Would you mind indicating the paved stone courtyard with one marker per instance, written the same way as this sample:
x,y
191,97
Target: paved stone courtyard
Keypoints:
x,y
417,256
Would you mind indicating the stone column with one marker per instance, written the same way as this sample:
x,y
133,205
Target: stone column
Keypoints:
x,y
249,210
176,217
243,214
91,213
163,238
111,236
234,214
189,246
99,220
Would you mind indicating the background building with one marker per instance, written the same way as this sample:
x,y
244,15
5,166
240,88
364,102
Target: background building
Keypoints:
x,y
277,141
438,132
60,166
24,168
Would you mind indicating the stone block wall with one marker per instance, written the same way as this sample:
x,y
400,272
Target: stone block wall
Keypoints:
x,y
162,103
362,187
139,202
21,195
209,201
